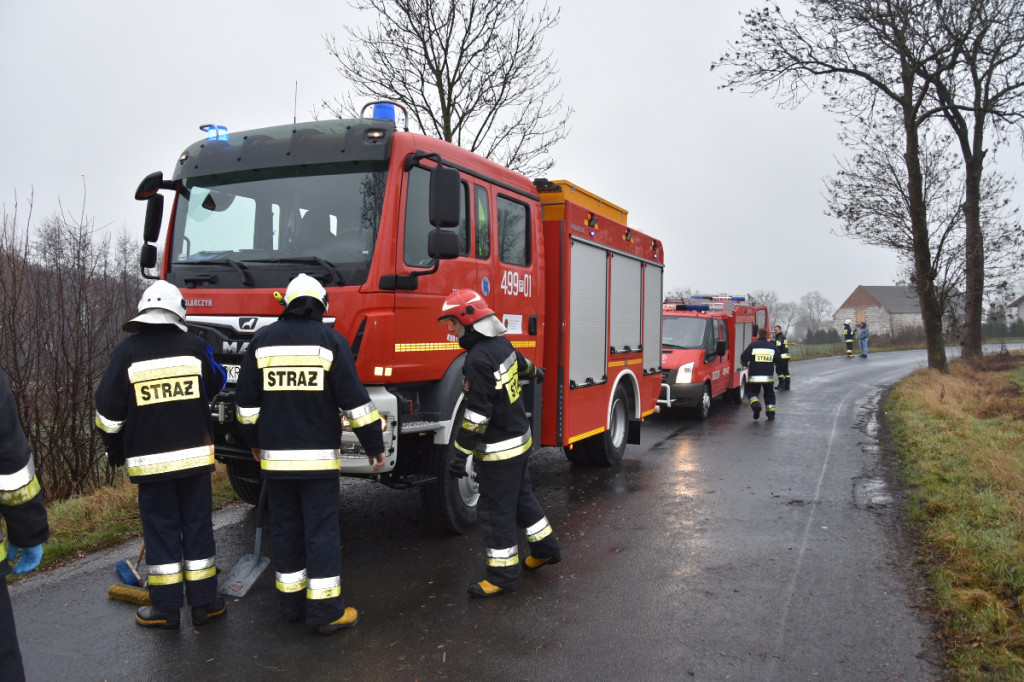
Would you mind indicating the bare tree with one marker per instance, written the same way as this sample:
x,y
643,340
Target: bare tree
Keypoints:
x,y
779,312
868,195
764,297
472,72
814,308
979,86
864,57
66,294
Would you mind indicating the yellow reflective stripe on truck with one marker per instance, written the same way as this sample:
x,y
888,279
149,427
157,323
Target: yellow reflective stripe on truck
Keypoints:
x,y
422,347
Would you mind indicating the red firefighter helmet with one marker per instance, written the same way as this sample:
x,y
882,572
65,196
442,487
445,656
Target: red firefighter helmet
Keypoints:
x,y
466,306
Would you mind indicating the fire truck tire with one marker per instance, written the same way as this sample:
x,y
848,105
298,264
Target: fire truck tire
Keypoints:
x,y
450,503
703,406
245,481
606,448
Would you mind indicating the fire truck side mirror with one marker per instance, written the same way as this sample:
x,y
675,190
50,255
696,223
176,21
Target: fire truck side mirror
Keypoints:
x,y
147,259
444,197
149,186
442,244
154,216
720,348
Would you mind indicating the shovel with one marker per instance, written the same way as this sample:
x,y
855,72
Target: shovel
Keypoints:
x,y
249,567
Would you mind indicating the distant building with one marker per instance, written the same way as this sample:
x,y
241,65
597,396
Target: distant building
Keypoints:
x,y
887,310
1015,311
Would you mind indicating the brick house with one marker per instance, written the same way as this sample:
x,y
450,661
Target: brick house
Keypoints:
x,y
887,310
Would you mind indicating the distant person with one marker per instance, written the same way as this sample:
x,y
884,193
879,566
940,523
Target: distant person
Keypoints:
x,y
760,357
848,337
862,336
21,506
153,413
296,382
782,346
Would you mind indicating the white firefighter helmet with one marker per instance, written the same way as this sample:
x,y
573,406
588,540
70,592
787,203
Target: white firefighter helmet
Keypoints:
x,y
161,303
847,322
304,285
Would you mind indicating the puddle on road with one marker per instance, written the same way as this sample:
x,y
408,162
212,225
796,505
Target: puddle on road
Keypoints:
x,y
871,493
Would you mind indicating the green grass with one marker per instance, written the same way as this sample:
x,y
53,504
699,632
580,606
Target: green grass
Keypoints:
x,y
960,437
105,518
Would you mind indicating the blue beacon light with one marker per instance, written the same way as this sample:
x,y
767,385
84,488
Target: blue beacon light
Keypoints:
x,y
384,110
215,132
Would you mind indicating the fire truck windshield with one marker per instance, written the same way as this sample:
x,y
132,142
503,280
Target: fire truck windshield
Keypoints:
x,y
684,332
258,220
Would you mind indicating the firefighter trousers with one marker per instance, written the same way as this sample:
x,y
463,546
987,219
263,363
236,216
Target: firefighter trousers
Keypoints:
x,y
754,387
507,502
10,655
783,372
304,535
177,527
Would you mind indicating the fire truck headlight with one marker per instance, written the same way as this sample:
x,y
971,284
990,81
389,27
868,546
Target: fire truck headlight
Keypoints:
x,y
684,374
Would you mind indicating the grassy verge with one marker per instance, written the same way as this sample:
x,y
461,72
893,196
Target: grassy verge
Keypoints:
x,y
961,442
104,518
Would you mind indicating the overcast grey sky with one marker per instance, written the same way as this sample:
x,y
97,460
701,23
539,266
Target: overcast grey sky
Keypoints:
x,y
97,95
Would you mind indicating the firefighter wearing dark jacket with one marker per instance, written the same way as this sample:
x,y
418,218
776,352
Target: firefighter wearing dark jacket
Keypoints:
x,y
760,357
153,412
21,506
848,337
296,376
782,346
493,443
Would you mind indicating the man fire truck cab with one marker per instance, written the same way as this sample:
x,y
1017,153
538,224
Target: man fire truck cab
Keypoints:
x,y
702,340
392,222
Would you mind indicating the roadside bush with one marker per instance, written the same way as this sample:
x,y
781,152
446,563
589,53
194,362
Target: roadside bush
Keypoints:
x,y
67,288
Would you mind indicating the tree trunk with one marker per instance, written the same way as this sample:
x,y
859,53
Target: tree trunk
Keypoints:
x,y
924,273
974,243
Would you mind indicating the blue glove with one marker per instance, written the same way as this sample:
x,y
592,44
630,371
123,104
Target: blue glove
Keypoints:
x,y
30,557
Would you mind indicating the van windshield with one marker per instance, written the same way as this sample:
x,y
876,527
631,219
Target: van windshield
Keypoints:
x,y
684,332
258,218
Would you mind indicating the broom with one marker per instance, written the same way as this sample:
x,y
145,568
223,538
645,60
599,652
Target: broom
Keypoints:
x,y
127,571
133,591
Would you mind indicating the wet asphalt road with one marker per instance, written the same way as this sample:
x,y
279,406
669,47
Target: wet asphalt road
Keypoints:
x,y
726,549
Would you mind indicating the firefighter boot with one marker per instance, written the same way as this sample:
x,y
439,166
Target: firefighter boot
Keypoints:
x,y
787,383
770,414
485,588
532,563
152,617
202,614
347,620
757,408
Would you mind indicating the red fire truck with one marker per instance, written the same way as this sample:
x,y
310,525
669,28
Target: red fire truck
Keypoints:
x,y
702,341
391,222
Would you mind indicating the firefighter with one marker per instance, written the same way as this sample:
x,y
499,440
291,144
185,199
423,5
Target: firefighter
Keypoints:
x,y
21,506
296,376
153,413
782,346
495,436
761,357
848,336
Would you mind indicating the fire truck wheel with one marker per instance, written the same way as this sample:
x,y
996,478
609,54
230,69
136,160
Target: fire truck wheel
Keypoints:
x,y
245,481
450,503
606,449
703,407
